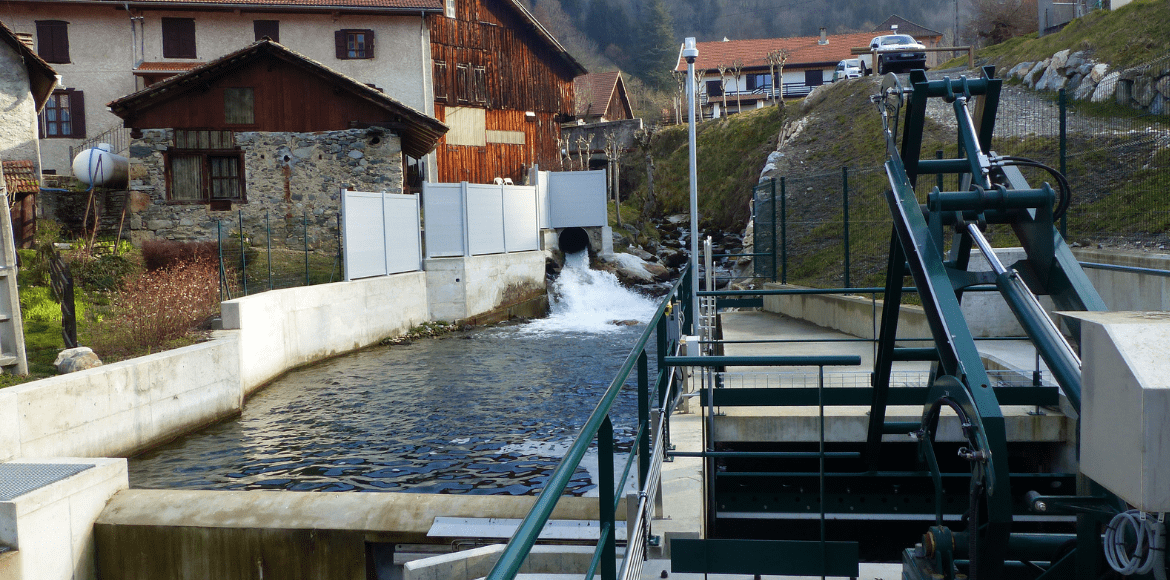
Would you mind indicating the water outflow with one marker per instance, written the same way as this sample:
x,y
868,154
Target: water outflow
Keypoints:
x,y
591,301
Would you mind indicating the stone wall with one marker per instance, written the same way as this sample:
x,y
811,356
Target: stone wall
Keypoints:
x,y
1144,87
287,176
18,115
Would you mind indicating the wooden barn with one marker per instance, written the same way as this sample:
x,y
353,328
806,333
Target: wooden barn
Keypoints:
x,y
503,85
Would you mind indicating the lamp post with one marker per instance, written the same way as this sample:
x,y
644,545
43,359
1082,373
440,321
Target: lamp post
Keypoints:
x,y
690,53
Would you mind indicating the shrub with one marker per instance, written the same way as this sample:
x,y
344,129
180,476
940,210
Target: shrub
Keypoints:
x,y
102,273
156,310
159,254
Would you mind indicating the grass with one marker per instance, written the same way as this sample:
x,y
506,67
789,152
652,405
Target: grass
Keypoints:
x,y
1123,38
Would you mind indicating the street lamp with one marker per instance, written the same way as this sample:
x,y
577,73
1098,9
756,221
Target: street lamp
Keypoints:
x,y
690,53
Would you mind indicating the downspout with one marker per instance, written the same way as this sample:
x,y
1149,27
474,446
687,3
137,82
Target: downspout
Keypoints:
x,y
430,160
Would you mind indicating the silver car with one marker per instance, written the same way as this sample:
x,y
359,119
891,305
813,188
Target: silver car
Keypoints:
x,y
895,53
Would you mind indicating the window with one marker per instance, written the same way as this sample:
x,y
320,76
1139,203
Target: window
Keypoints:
x,y
814,78
204,166
53,40
354,44
449,9
462,82
238,106
178,37
714,88
64,115
479,86
269,28
440,80
758,81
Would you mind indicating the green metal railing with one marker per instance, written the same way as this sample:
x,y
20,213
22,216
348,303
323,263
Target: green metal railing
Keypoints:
x,y
599,427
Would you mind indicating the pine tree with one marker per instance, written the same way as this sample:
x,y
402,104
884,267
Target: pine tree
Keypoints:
x,y
658,50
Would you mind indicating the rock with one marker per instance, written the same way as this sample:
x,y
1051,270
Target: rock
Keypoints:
x,y
1074,82
1075,60
159,224
639,252
76,359
1059,60
1160,105
660,272
1163,86
1051,80
355,154
1030,77
1085,69
1106,88
1020,70
624,322
1084,90
1099,72
1123,91
1144,91
672,258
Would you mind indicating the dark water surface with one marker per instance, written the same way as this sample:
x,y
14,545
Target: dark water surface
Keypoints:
x,y
487,411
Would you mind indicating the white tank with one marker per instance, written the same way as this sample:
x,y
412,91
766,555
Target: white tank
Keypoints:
x,y
97,166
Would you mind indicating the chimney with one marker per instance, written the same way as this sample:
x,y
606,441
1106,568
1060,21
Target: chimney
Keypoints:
x,y
894,28
824,36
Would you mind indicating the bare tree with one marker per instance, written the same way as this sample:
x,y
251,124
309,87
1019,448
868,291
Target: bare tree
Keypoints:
x,y
736,68
776,60
563,147
699,74
644,140
583,152
722,86
680,79
613,154
994,21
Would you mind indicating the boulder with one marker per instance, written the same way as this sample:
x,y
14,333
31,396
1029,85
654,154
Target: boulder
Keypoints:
x,y
1123,92
1052,80
1020,70
76,359
1074,82
1163,86
1144,91
1106,88
1059,60
1160,105
639,252
1084,90
1030,77
672,258
1074,61
1085,69
1099,72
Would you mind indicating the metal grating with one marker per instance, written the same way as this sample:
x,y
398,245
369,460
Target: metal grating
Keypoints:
x,y
17,479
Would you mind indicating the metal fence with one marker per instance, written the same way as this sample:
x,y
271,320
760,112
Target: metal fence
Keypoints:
x,y
832,228
263,251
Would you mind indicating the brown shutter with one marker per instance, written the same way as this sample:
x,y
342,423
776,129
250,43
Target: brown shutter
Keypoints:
x,y
53,40
269,28
369,43
339,42
178,37
77,111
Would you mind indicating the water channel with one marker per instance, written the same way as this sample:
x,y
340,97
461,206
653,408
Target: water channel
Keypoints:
x,y
484,411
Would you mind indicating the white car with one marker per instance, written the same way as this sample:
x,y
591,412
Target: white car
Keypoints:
x,y
895,53
849,68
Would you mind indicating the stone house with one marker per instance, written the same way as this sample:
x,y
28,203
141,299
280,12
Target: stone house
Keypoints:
x,y
268,133
26,82
107,50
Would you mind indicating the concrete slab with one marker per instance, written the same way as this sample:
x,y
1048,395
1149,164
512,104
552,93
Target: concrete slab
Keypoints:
x,y
653,569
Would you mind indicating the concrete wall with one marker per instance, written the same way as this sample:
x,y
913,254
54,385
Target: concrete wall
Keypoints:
x,y
572,561
18,114
173,534
464,287
117,409
849,314
103,51
52,526
1125,290
281,329
286,175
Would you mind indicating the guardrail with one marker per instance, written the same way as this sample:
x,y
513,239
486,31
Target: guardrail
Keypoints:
x,y
599,427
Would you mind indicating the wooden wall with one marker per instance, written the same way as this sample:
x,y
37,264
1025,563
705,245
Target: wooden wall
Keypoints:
x,y
522,74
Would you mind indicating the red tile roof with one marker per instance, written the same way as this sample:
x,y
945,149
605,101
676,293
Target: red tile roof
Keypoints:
x,y
803,50
21,177
405,5
594,91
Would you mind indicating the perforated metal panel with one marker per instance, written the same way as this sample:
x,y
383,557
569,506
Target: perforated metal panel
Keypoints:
x,y
17,479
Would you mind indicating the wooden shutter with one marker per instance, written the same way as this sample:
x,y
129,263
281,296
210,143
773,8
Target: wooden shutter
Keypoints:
x,y
77,111
178,37
269,28
53,40
369,35
480,84
440,81
339,44
462,82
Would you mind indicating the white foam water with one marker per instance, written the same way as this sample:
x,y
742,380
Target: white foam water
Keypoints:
x,y
590,301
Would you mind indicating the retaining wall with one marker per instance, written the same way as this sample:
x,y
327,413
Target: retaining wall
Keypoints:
x,y
462,287
1128,290
282,329
117,409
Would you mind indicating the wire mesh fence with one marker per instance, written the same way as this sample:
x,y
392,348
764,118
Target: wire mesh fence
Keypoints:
x,y
261,251
832,228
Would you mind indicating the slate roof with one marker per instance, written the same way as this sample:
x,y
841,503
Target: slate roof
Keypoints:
x,y
803,51
20,177
420,137
905,27
594,91
42,77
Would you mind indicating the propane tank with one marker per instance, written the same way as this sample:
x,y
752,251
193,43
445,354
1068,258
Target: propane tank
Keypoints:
x,y
98,166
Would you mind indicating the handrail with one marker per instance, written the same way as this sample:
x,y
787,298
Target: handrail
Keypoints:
x,y
521,542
